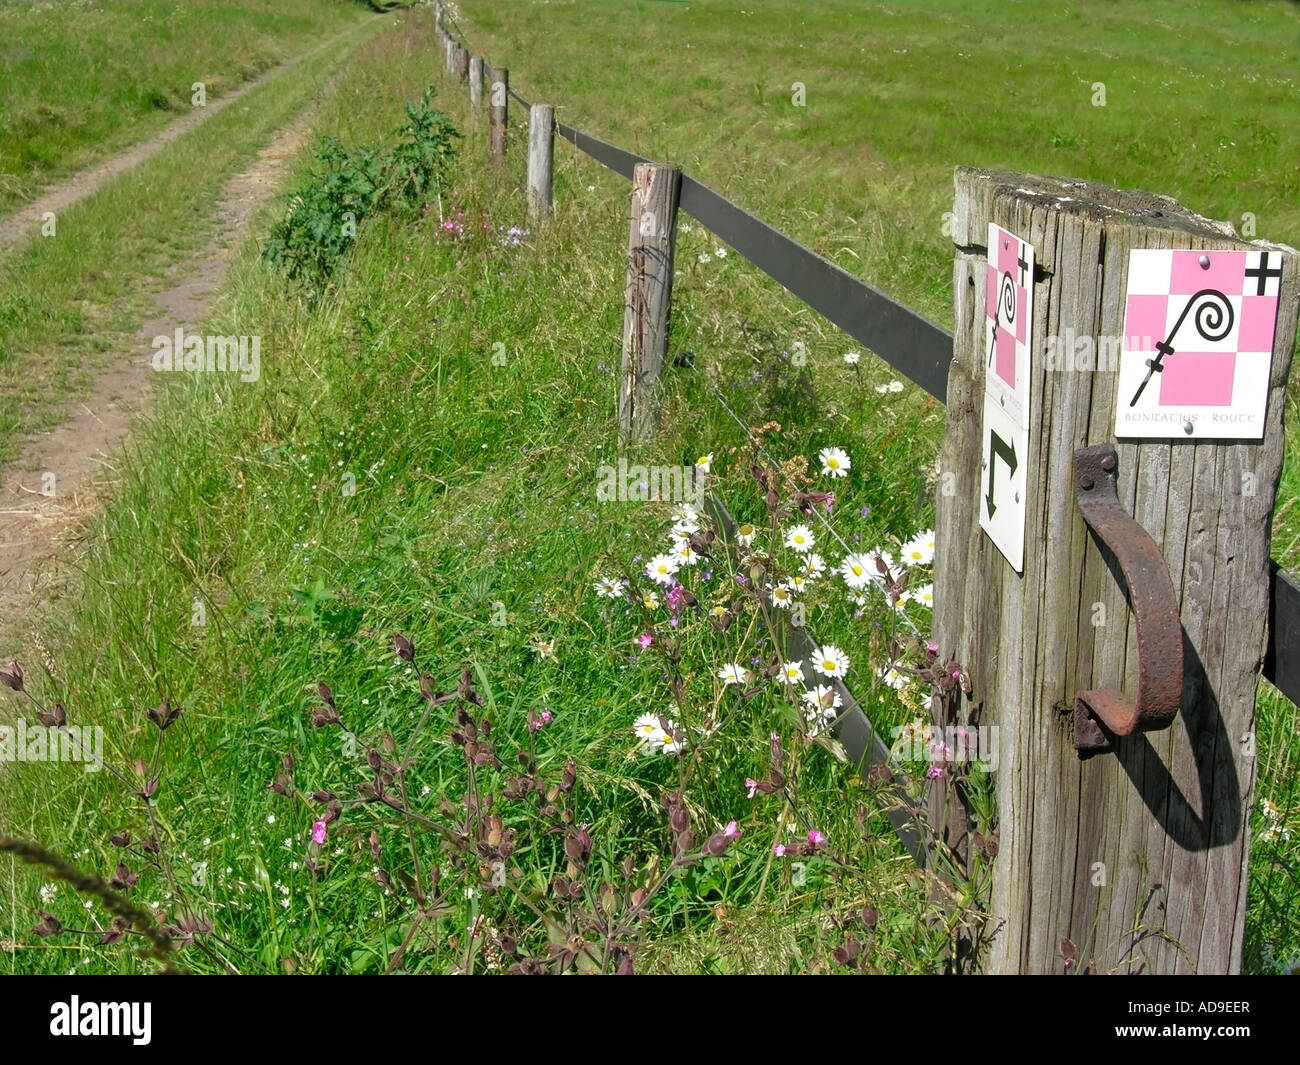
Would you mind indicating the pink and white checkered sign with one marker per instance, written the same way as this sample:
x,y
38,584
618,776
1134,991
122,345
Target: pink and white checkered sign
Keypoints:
x,y
1198,343
1008,307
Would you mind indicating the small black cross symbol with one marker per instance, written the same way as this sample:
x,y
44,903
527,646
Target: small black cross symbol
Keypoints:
x,y
1024,266
1263,273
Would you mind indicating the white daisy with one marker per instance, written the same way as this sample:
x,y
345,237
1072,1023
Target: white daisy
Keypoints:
x,y
732,673
830,661
792,673
704,462
923,595
800,537
893,386
686,513
919,551
822,705
705,258
649,732
668,745
814,566
745,534
858,571
608,588
721,253
783,597
685,527
47,893
835,461
797,583
719,611
662,568
650,600
685,554
892,677
852,357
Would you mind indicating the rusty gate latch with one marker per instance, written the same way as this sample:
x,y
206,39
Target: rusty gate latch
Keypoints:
x,y
1101,715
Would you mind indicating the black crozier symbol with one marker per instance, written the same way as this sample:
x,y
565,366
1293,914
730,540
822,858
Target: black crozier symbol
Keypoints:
x,y
1213,320
1006,309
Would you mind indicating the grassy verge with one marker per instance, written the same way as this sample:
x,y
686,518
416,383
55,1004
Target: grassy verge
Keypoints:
x,y
68,302
83,81
474,529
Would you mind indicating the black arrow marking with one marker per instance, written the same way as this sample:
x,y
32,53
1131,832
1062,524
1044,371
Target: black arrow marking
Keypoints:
x,y
999,448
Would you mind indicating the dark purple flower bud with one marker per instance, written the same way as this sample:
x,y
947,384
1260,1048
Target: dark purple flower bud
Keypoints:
x,y
326,696
404,648
164,716
49,924
12,677
57,719
122,839
123,879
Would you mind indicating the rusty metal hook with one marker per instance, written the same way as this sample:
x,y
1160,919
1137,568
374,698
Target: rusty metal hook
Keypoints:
x,y
1101,715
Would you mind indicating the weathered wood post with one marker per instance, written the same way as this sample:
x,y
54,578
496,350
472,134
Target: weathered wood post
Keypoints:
x,y
651,248
1132,857
449,54
462,62
498,114
541,143
476,81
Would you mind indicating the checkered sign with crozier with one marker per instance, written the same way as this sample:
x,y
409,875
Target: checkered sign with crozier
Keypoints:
x,y
1198,343
1008,309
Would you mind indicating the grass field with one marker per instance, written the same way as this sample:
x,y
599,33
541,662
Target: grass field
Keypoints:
x,y
82,80
421,456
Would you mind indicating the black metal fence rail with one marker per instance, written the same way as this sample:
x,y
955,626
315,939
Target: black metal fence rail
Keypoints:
x,y
913,345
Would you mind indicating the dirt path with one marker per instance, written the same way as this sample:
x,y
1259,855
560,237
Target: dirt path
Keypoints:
x,y
27,221
80,454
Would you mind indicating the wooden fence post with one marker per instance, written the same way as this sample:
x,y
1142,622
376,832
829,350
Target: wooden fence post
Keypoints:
x,y
499,114
1133,859
449,54
541,141
651,248
462,62
476,81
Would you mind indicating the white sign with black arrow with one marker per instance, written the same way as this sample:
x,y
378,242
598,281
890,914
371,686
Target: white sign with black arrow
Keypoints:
x,y
1003,460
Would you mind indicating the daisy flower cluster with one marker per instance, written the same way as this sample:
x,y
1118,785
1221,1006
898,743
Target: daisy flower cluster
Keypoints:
x,y
1275,830
653,738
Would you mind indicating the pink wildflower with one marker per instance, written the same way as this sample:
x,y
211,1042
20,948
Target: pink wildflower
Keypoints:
x,y
318,833
778,849
645,640
816,838
752,785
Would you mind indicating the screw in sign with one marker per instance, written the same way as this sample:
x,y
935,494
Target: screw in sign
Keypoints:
x,y
1008,333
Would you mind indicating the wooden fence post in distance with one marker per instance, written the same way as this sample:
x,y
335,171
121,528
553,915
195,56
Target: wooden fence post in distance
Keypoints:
x,y
651,247
499,114
476,81
462,62
541,143
1131,860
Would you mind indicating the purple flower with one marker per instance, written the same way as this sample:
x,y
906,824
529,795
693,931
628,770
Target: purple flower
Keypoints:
x,y
816,838
752,785
741,579
731,831
864,512
830,502
645,640
707,575
319,830
934,772
675,597
778,849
